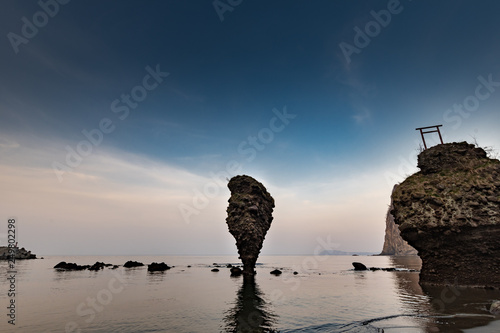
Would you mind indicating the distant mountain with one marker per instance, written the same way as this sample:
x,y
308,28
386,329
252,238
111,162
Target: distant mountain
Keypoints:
x,y
342,253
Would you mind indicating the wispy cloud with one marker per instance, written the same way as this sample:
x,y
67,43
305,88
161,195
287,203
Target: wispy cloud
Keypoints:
x,y
362,116
7,144
116,196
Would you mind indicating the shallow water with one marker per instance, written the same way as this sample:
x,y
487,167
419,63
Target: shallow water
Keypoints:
x,y
325,296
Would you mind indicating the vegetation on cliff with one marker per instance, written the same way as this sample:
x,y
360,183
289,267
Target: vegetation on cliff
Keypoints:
x,y
450,212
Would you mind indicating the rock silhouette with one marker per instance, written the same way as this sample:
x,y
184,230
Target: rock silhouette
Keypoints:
x,y
20,253
71,266
359,266
249,216
158,267
450,213
130,264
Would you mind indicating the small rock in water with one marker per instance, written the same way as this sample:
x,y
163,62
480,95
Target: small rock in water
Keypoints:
x,y
158,267
130,264
359,266
276,272
495,308
236,271
215,270
295,273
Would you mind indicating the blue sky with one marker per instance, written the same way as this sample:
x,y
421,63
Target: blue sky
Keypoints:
x,y
175,91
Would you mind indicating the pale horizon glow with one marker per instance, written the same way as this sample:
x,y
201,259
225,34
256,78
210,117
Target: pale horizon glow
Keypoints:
x,y
155,98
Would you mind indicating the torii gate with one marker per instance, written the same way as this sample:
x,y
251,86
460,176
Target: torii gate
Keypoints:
x,y
436,130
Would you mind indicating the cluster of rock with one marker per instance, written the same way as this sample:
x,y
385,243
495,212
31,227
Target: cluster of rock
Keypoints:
x,y
74,267
361,267
153,267
20,253
249,216
237,271
450,212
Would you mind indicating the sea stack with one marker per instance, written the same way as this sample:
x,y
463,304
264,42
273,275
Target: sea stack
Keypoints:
x,y
249,216
394,244
450,212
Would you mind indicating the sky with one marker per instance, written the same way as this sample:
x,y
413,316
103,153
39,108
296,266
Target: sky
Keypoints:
x,y
121,121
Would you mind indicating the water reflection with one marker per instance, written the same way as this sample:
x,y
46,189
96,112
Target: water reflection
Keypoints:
x,y
155,278
251,313
441,308
463,307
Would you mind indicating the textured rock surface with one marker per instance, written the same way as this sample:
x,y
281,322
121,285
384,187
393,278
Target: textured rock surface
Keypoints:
x,y
249,216
394,244
450,212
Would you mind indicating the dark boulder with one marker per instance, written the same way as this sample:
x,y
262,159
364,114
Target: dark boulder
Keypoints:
x,y
359,266
158,267
130,264
236,271
215,269
276,272
70,266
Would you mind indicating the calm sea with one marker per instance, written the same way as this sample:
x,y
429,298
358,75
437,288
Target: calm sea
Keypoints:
x,y
325,296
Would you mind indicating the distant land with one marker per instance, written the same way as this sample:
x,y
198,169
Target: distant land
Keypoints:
x,y
21,253
342,253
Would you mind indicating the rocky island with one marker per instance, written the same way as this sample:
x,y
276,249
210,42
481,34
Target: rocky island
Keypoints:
x,y
249,216
450,212
21,253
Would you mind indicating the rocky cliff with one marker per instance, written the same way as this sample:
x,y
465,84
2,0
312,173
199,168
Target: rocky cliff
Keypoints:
x,y
21,253
450,213
249,216
394,244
